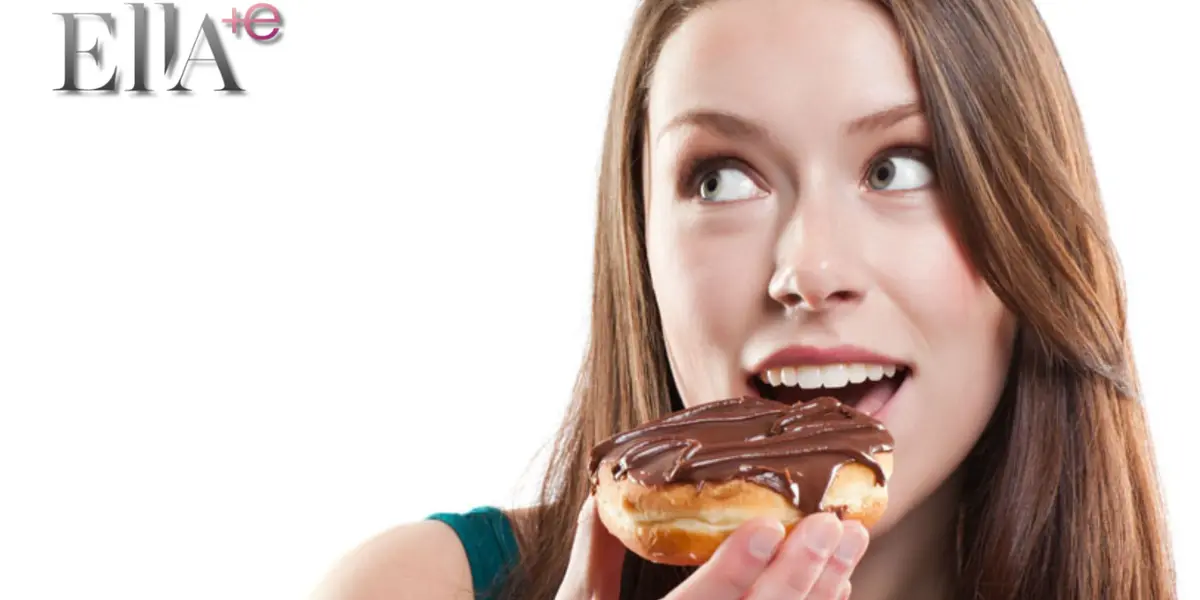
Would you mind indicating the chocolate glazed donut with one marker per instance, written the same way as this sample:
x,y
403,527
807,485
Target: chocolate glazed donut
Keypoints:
x,y
673,489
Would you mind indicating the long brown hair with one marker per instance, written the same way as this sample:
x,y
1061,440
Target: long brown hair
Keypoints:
x,y
1061,498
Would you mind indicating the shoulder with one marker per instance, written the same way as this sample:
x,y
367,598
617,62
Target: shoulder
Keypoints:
x,y
425,559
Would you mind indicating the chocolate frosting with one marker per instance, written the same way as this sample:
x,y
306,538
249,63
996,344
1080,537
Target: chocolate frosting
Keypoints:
x,y
794,450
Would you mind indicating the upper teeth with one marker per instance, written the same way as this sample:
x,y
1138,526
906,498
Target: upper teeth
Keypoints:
x,y
811,377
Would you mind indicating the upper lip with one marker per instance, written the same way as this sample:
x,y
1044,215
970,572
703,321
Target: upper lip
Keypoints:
x,y
794,356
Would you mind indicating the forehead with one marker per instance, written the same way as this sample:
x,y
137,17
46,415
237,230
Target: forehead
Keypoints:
x,y
789,63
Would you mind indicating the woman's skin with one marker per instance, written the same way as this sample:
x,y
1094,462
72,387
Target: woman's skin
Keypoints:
x,y
789,203
814,220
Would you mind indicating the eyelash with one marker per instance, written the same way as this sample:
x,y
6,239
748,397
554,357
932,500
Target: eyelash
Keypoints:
x,y
701,166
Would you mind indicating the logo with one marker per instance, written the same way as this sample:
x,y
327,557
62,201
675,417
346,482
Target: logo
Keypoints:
x,y
262,23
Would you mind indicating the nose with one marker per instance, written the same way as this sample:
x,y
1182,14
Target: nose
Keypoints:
x,y
814,268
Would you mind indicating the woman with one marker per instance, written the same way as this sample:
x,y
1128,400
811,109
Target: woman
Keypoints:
x,y
906,182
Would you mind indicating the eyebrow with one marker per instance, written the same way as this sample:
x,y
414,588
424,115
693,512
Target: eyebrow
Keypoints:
x,y
884,118
724,123
734,126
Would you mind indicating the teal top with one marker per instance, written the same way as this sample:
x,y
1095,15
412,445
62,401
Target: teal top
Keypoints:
x,y
487,536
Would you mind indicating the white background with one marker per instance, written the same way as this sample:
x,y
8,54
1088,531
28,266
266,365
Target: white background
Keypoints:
x,y
238,335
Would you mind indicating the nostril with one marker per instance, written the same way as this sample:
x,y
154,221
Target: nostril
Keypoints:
x,y
791,300
794,301
842,296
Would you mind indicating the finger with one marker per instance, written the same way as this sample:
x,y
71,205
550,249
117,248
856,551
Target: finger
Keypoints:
x,y
801,560
736,565
594,570
836,575
844,594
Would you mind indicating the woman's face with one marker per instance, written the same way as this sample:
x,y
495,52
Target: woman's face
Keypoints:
x,y
795,231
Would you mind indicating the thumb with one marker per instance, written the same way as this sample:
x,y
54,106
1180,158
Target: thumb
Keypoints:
x,y
594,571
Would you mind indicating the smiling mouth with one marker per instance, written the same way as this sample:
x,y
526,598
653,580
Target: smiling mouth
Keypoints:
x,y
866,387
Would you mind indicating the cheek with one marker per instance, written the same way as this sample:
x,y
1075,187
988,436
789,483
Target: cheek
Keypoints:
x,y
938,288
962,344
953,314
709,277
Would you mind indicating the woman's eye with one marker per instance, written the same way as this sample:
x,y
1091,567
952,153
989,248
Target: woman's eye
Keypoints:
x,y
899,173
727,185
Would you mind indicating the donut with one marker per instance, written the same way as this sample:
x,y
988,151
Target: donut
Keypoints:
x,y
673,489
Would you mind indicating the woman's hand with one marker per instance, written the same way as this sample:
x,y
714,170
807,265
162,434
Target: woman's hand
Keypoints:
x,y
813,563
755,563
594,572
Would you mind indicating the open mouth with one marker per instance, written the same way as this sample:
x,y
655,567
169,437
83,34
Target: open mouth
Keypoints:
x,y
866,387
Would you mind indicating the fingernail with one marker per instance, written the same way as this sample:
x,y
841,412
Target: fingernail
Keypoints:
x,y
850,547
822,536
764,541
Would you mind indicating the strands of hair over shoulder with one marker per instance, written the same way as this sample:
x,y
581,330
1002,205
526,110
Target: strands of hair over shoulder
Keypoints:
x,y
1061,498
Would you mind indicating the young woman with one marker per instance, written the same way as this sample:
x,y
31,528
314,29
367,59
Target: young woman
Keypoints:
x,y
902,184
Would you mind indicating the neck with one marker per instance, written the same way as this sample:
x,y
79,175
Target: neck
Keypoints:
x,y
915,558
